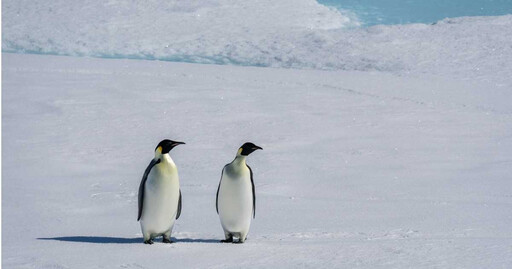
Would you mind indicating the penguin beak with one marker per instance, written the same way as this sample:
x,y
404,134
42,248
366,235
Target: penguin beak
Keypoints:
x,y
257,147
175,143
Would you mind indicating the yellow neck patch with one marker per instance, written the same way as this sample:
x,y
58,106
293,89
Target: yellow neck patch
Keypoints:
x,y
239,151
159,149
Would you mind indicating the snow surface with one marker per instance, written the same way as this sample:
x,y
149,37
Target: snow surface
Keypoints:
x,y
285,33
359,169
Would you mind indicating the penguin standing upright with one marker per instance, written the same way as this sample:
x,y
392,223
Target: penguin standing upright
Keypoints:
x,y
236,197
160,195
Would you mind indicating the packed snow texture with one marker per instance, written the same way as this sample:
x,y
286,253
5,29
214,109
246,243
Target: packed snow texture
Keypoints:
x,y
285,33
359,169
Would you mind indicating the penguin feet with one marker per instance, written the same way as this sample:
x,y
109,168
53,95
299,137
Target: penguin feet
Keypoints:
x,y
230,240
239,241
168,241
148,242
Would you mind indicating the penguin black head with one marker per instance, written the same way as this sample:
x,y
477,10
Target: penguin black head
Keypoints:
x,y
166,145
247,149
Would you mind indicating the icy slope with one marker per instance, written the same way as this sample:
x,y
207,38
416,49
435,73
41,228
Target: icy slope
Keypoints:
x,y
373,12
201,31
285,33
359,169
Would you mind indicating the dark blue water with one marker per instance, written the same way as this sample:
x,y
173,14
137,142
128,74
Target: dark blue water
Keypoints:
x,y
372,12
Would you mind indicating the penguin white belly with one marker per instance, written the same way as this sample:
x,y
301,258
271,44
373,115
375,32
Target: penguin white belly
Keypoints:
x,y
235,203
161,195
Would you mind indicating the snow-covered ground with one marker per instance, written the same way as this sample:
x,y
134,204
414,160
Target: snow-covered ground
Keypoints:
x,y
359,169
385,147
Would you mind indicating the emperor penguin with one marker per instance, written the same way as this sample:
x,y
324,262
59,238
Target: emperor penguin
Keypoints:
x,y
160,195
236,197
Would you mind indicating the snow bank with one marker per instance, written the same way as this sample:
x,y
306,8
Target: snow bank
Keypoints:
x,y
289,33
225,31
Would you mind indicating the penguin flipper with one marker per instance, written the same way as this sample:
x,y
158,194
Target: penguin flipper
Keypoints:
x,y
179,207
218,188
253,195
142,183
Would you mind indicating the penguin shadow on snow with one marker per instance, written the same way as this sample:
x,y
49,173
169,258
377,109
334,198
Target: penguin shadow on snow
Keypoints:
x,y
121,240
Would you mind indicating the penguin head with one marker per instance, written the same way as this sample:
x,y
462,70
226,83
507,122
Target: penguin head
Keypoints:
x,y
247,149
166,145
